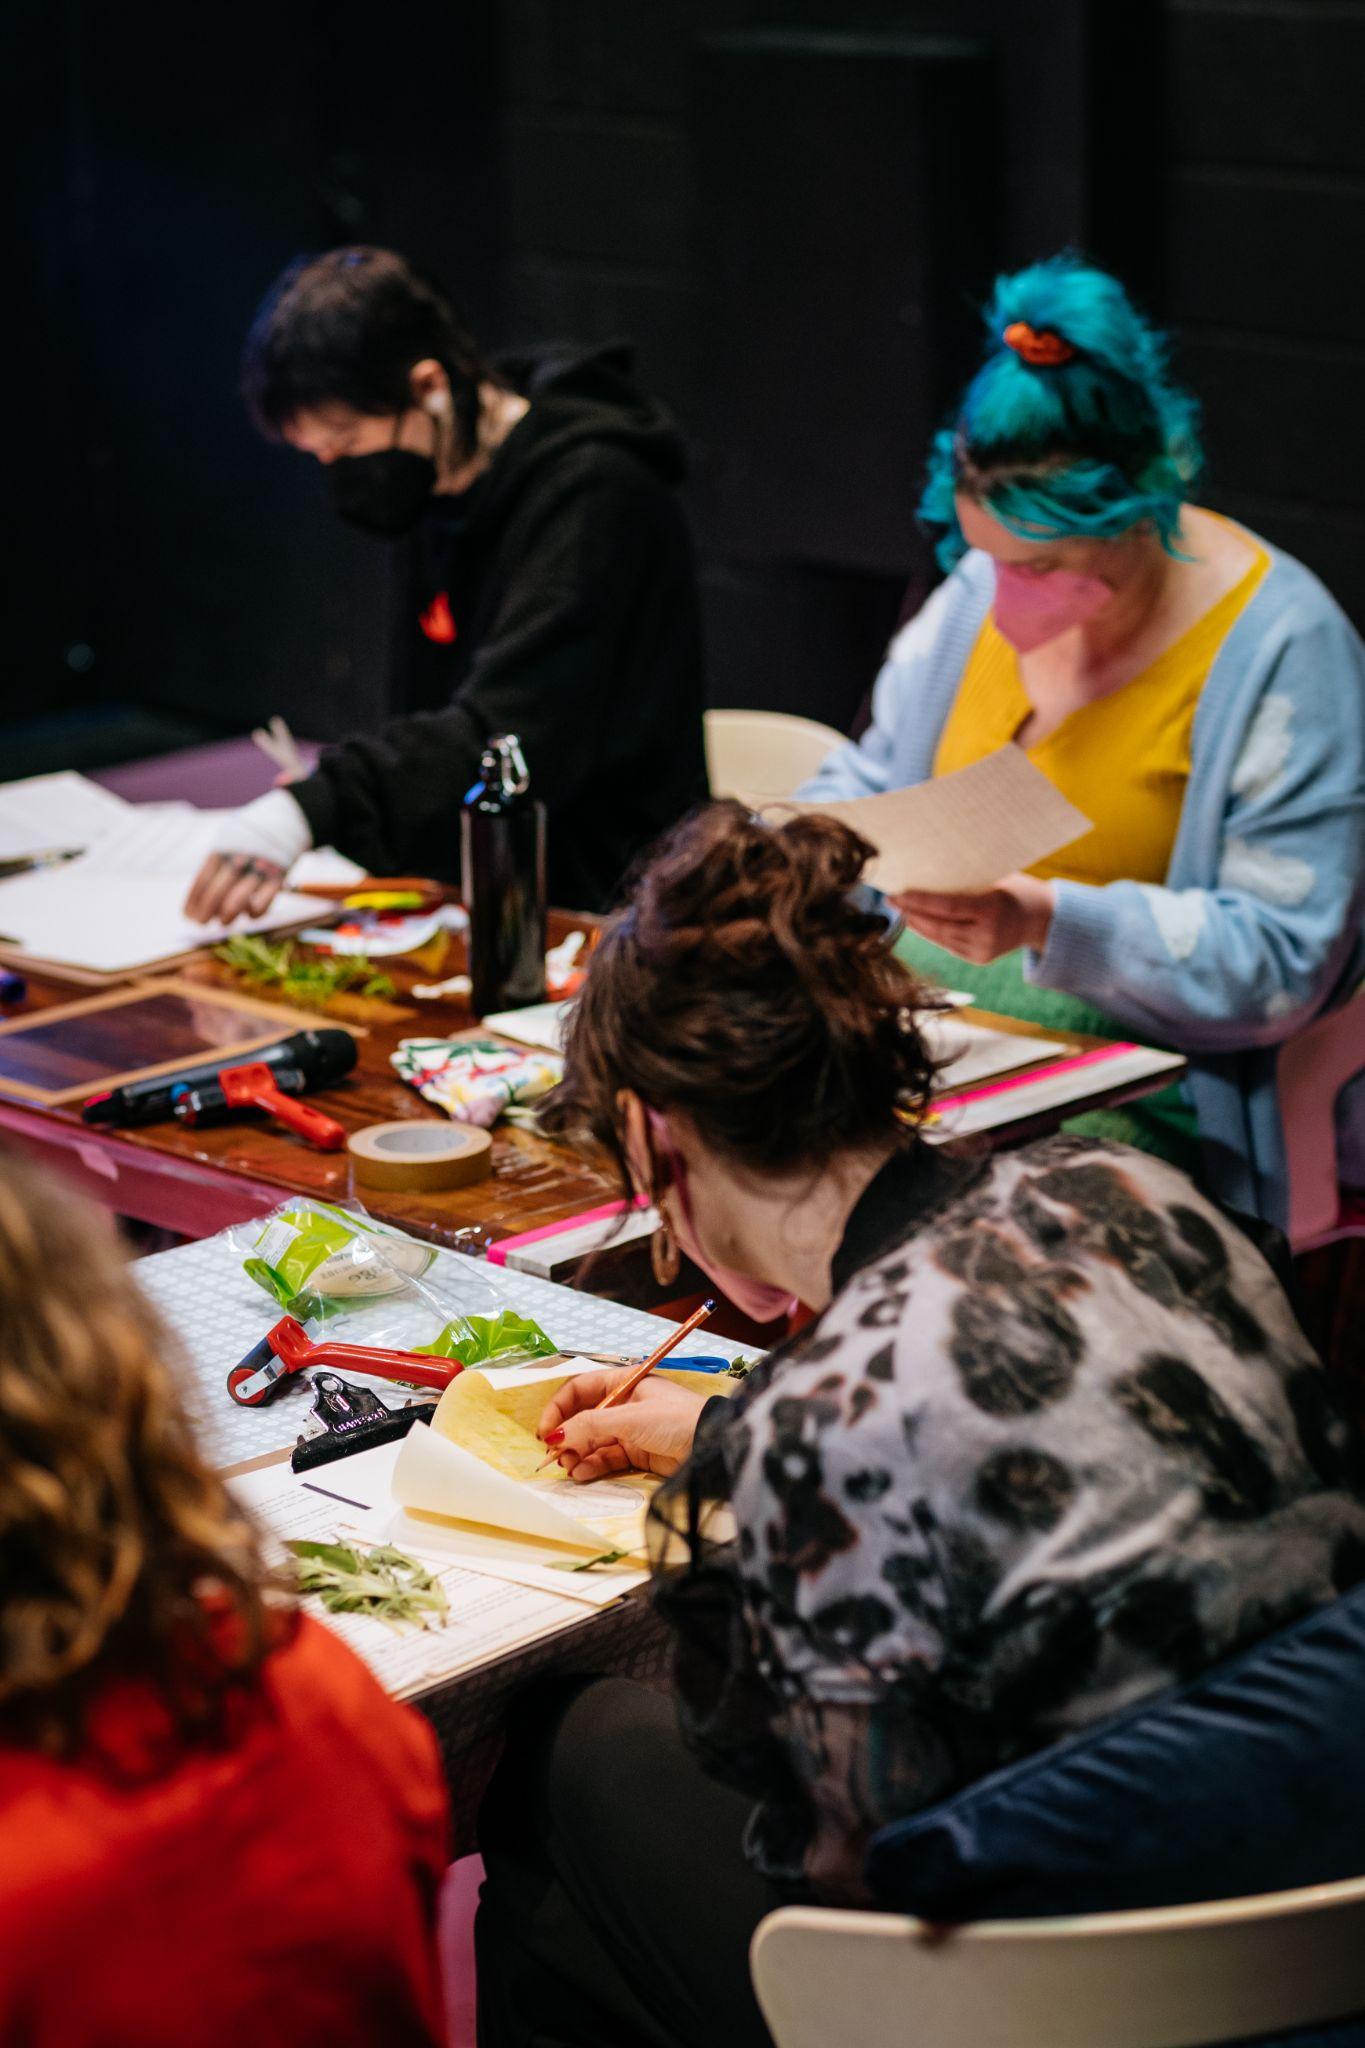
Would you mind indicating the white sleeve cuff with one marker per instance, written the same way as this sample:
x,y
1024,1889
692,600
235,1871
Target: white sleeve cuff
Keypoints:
x,y
272,828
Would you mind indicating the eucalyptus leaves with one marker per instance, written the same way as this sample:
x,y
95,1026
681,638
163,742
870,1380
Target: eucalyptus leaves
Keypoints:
x,y
386,1583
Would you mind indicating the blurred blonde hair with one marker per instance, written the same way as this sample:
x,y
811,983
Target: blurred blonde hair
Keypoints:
x,y
121,1553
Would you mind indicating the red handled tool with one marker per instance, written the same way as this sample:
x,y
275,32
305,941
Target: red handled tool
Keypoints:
x,y
288,1349
258,1086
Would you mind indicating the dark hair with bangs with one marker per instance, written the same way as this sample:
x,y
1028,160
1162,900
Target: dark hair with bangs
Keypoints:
x,y
346,328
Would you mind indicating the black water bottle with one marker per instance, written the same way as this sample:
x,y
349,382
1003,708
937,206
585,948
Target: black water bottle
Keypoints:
x,y
502,863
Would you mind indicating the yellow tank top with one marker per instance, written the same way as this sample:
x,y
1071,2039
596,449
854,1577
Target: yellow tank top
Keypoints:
x,y
1124,760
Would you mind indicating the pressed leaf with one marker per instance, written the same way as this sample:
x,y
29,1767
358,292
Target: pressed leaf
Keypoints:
x,y
586,1564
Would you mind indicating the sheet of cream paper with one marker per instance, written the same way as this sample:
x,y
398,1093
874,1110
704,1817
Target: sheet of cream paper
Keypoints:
x,y
523,1560
488,1615
961,831
434,1476
119,906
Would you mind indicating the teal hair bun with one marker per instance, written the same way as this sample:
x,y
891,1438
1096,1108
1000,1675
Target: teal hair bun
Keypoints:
x,y
1072,426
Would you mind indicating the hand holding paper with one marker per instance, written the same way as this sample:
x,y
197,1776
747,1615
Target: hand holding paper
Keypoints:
x,y
986,923
961,832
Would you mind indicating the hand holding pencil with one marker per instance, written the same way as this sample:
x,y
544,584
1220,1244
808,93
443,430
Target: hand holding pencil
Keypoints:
x,y
603,1423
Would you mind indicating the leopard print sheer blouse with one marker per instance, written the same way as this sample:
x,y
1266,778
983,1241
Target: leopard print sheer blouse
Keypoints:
x,y
1057,1444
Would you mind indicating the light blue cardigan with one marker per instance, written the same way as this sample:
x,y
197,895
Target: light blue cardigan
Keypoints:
x,y
1261,922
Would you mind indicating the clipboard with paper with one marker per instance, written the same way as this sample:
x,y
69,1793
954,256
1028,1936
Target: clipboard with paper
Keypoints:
x,y
478,1467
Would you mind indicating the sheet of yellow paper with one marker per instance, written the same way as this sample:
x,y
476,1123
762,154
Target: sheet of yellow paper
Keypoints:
x,y
499,1428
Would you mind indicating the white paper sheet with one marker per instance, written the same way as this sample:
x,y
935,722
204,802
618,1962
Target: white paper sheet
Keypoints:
x,y
538,1024
119,907
45,813
962,831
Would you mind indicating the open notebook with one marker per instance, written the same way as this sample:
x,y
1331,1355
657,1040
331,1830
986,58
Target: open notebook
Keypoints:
x,y
116,908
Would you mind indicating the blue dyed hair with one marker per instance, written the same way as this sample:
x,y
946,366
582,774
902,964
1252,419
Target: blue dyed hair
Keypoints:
x,y
1088,447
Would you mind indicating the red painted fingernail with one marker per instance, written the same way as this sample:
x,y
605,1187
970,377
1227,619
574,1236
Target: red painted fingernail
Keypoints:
x,y
555,1436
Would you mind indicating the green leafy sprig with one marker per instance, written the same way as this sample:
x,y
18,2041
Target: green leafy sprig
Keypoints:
x,y
586,1564
304,977
387,1584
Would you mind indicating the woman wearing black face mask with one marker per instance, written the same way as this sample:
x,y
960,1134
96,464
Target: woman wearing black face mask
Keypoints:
x,y
558,584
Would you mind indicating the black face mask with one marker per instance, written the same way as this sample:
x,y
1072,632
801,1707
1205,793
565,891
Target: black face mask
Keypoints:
x,y
386,492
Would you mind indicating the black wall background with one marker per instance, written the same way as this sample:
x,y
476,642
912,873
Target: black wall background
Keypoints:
x,y
791,208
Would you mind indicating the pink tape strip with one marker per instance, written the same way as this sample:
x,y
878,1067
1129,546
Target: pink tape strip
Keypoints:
x,y
497,1253
1092,1058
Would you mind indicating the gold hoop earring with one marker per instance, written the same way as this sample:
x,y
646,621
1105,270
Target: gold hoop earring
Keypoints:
x,y
664,1256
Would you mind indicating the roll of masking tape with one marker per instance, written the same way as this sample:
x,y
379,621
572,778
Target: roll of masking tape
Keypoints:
x,y
419,1157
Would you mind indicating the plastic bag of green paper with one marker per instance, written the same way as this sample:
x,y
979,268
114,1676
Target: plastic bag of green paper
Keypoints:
x,y
316,1259
504,1339
367,1283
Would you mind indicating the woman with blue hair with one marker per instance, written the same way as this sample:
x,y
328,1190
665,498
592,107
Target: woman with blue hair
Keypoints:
x,y
1196,693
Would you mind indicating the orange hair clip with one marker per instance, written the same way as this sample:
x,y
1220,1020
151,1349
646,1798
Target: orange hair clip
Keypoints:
x,y
1037,346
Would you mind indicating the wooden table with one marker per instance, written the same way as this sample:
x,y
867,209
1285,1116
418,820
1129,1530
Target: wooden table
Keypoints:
x,y
196,1181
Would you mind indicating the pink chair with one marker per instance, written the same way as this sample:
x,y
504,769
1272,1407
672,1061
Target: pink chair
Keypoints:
x,y
459,1899
1315,1066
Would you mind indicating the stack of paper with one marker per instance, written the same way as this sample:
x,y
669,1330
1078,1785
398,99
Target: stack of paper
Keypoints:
x,y
492,1610
967,1053
117,908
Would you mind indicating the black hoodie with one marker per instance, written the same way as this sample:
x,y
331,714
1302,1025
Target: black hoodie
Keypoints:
x,y
572,621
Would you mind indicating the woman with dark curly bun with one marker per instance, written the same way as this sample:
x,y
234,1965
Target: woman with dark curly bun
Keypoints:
x,y
214,1826
1052,1443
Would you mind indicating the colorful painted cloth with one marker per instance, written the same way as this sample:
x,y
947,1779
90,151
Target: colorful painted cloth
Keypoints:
x,y
1056,1445
476,1081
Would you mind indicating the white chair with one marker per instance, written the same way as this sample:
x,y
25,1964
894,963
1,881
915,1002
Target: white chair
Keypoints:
x,y
765,754
1171,1978
1314,1066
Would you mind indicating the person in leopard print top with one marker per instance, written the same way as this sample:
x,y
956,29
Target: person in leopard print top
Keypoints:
x,y
1053,1442
1056,1443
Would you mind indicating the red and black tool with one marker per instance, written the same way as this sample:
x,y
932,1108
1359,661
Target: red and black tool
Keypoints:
x,y
258,1086
323,1057
288,1349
